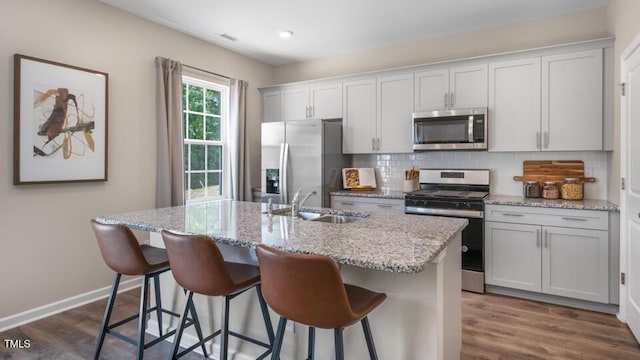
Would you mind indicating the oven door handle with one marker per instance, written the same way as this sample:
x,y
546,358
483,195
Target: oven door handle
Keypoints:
x,y
444,212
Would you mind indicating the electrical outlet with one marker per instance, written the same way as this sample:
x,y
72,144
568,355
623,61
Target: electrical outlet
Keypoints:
x,y
291,326
588,171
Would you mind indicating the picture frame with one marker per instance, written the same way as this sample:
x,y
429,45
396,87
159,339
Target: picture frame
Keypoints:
x,y
60,122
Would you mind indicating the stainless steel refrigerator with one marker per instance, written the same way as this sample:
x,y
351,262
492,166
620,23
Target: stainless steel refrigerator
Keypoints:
x,y
302,154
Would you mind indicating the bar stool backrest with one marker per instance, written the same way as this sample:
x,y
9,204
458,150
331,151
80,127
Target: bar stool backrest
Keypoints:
x,y
304,288
120,249
197,264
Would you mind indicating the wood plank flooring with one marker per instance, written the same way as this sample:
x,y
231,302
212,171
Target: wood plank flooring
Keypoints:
x,y
494,327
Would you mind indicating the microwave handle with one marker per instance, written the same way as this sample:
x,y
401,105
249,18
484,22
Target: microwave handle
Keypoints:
x,y
470,128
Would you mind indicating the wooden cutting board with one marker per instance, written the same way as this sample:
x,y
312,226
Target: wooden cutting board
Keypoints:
x,y
552,170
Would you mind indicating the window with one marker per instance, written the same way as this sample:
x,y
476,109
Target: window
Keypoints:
x,y
205,117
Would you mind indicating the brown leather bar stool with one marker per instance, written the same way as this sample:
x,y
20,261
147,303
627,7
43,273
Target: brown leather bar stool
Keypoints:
x,y
198,266
124,255
308,289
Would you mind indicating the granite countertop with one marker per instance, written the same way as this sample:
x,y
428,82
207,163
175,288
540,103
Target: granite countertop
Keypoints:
x,y
381,194
388,242
601,205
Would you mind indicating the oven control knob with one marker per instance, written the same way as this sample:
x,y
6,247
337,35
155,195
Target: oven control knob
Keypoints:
x,y
465,248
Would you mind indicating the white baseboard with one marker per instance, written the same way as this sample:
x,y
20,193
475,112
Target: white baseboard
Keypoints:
x,y
187,340
44,311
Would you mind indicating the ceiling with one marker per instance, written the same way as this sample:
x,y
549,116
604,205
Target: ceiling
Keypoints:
x,y
330,27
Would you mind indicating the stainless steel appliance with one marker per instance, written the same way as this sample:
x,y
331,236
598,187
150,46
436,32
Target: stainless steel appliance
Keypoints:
x,y
457,193
302,154
464,129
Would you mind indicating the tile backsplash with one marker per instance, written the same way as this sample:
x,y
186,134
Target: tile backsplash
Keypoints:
x,y
503,166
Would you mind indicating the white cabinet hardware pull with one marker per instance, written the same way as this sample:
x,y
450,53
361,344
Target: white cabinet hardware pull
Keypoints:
x,y
573,218
446,100
538,139
546,239
538,240
310,111
546,140
510,214
452,99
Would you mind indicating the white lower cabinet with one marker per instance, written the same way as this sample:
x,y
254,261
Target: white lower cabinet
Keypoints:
x,y
353,203
522,251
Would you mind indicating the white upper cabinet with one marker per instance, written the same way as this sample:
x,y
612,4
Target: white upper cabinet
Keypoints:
x,y
295,103
455,88
395,105
548,103
326,101
312,102
270,106
572,101
377,115
359,116
514,105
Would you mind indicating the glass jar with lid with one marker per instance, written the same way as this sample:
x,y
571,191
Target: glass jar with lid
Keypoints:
x,y
532,189
550,190
572,189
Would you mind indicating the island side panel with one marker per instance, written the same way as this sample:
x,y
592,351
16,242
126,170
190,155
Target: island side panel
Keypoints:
x,y
450,301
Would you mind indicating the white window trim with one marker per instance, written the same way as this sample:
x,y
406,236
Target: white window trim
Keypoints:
x,y
224,138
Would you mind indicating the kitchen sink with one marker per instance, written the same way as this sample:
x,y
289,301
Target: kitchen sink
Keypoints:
x,y
326,218
336,219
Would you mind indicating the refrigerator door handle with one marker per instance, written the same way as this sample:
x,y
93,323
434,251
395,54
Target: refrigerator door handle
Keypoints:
x,y
285,174
281,175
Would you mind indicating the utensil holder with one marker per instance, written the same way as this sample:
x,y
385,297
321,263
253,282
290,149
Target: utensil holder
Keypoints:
x,y
409,185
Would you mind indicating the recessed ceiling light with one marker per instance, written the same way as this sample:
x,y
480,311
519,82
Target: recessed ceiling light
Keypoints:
x,y
285,34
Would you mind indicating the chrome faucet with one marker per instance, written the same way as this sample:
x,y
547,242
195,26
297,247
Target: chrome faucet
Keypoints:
x,y
297,204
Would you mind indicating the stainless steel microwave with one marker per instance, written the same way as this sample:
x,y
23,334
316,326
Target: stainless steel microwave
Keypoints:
x,y
463,129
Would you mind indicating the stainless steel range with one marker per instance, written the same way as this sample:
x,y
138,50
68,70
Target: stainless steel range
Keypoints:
x,y
457,193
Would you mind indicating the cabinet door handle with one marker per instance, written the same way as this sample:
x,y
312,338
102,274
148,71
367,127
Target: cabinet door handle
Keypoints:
x,y
511,214
378,144
546,239
573,218
347,203
452,99
538,139
310,111
373,144
385,206
446,100
546,140
538,240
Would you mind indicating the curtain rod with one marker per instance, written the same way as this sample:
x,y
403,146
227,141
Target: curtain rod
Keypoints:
x,y
205,71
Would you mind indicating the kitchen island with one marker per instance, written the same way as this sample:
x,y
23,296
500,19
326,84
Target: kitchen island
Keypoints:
x,y
414,259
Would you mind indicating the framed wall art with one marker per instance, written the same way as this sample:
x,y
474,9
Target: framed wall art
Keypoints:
x,y
60,122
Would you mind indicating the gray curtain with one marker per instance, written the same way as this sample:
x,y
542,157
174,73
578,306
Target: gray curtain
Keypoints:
x,y
169,163
239,142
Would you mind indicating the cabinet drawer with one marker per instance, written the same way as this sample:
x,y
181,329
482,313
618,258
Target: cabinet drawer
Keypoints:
x,y
582,219
395,206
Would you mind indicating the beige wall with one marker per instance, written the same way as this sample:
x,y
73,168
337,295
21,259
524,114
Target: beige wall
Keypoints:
x,y
622,22
48,251
557,30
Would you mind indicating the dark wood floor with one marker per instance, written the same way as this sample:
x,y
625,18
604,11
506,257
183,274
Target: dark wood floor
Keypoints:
x,y
494,327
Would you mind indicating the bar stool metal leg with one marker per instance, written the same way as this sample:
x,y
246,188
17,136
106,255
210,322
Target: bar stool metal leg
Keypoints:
x,y
142,316
224,336
156,290
265,314
367,335
277,345
337,333
311,343
181,323
196,323
107,315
